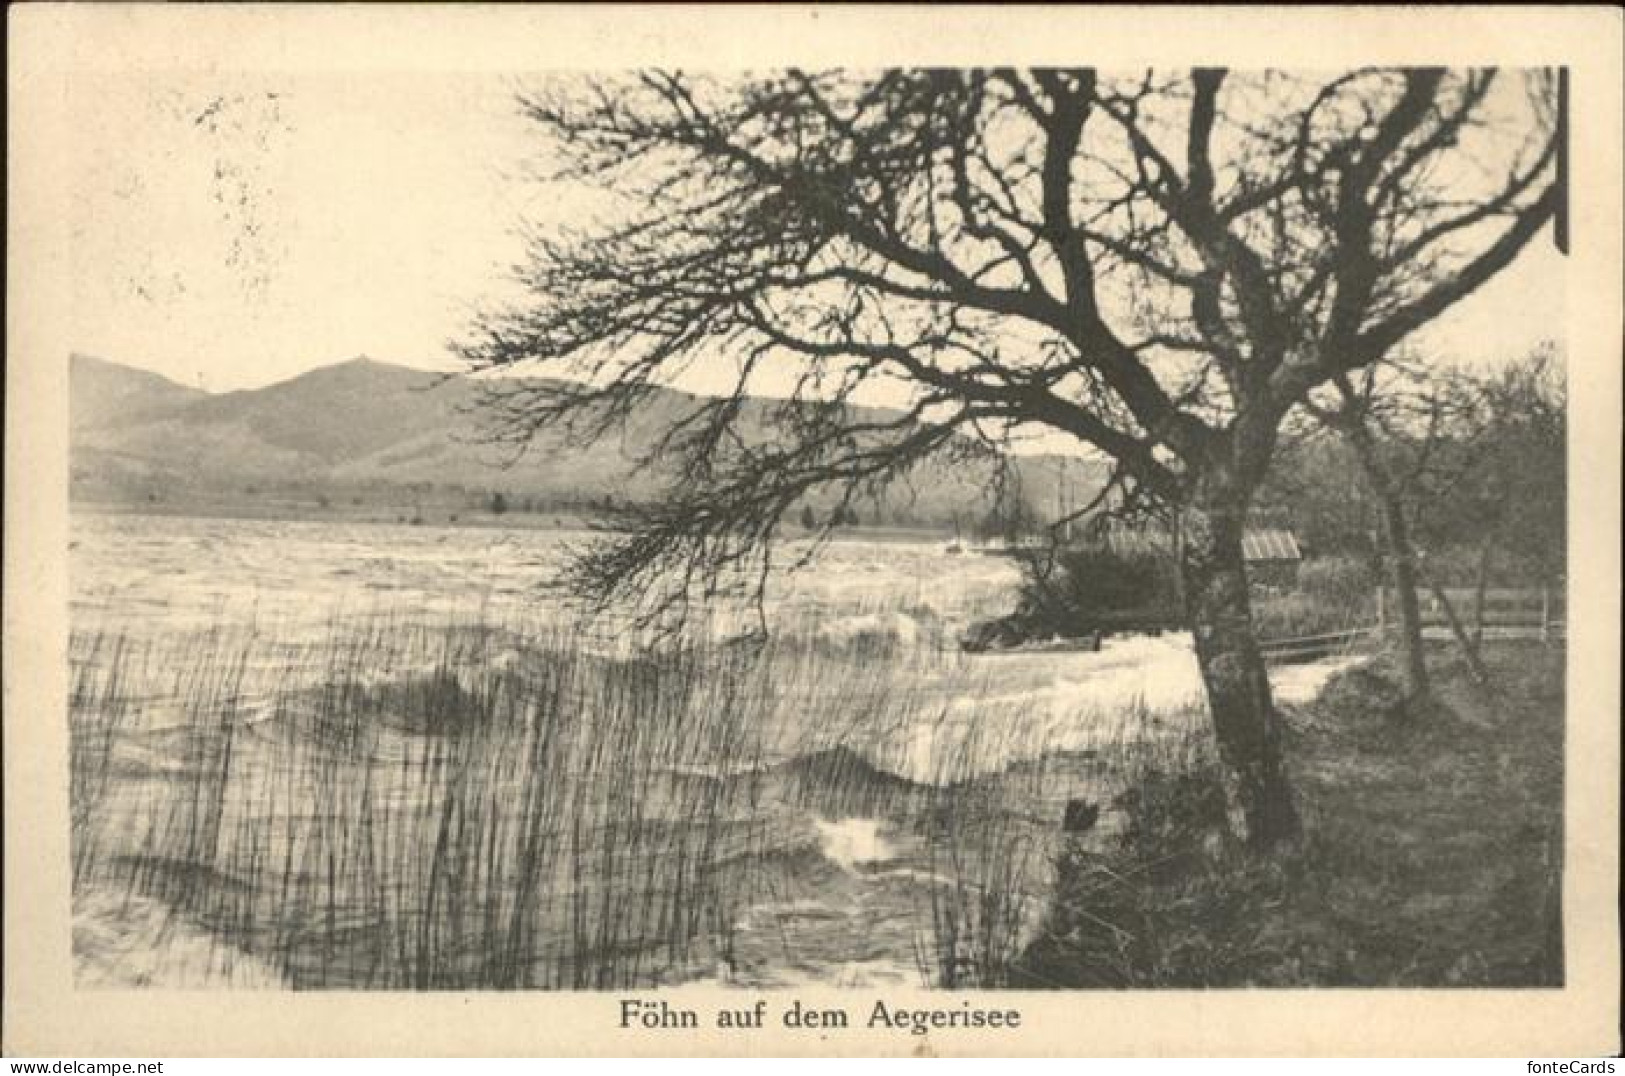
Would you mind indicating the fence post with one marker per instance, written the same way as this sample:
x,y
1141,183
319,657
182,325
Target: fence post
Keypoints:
x,y
1545,614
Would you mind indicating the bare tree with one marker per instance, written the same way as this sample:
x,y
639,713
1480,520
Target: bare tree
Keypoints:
x,y
1507,493
1456,461
1400,429
1160,266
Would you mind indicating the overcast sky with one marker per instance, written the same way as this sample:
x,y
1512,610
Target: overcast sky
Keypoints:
x,y
231,231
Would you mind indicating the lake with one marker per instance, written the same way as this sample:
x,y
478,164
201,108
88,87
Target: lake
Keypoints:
x,y
356,755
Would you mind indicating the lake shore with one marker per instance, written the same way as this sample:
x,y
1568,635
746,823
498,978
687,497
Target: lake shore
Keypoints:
x,y
1433,854
436,514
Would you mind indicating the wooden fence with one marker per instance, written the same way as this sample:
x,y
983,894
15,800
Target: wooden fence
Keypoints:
x,y
1507,612
1314,647
1527,613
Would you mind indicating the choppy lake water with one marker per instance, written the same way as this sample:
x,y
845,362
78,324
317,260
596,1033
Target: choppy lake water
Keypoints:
x,y
184,572
853,882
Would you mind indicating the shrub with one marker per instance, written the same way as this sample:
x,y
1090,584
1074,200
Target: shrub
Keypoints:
x,y
1341,581
1120,917
1333,594
1355,696
1075,591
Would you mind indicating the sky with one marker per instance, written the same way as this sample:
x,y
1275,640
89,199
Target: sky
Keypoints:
x,y
233,230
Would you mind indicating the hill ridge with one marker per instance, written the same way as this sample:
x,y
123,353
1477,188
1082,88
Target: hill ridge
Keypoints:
x,y
364,432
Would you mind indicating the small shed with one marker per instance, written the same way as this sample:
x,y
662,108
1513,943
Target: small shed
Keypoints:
x,y
1268,545
1272,554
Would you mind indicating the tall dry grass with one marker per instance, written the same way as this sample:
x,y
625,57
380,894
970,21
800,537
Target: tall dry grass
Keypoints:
x,y
438,807
476,805
996,847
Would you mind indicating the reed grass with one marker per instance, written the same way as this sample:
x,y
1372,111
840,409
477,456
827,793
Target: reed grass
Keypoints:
x,y
400,804
460,807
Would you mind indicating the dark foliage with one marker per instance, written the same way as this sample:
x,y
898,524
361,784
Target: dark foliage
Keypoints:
x,y
1076,591
1432,858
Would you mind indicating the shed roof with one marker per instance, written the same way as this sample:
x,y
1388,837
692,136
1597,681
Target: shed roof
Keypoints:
x,y
1258,544
1269,544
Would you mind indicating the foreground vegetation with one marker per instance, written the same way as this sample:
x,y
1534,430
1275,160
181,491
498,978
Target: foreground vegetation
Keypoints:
x,y
1432,856
472,807
440,807
1090,589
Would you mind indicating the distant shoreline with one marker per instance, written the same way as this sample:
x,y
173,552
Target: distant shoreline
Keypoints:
x,y
437,516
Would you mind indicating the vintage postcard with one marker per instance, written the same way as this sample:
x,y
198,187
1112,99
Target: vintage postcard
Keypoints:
x,y
812,530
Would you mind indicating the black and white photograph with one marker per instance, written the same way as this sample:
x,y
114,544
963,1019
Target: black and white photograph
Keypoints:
x,y
720,528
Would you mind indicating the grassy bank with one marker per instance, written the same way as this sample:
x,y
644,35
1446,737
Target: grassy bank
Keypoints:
x,y
1433,853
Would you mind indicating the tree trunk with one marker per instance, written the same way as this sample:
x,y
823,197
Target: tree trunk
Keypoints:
x,y
1402,568
1469,650
1238,690
1401,557
1481,585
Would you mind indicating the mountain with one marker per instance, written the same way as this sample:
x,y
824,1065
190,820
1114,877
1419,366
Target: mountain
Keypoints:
x,y
369,434
103,394
337,413
296,430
